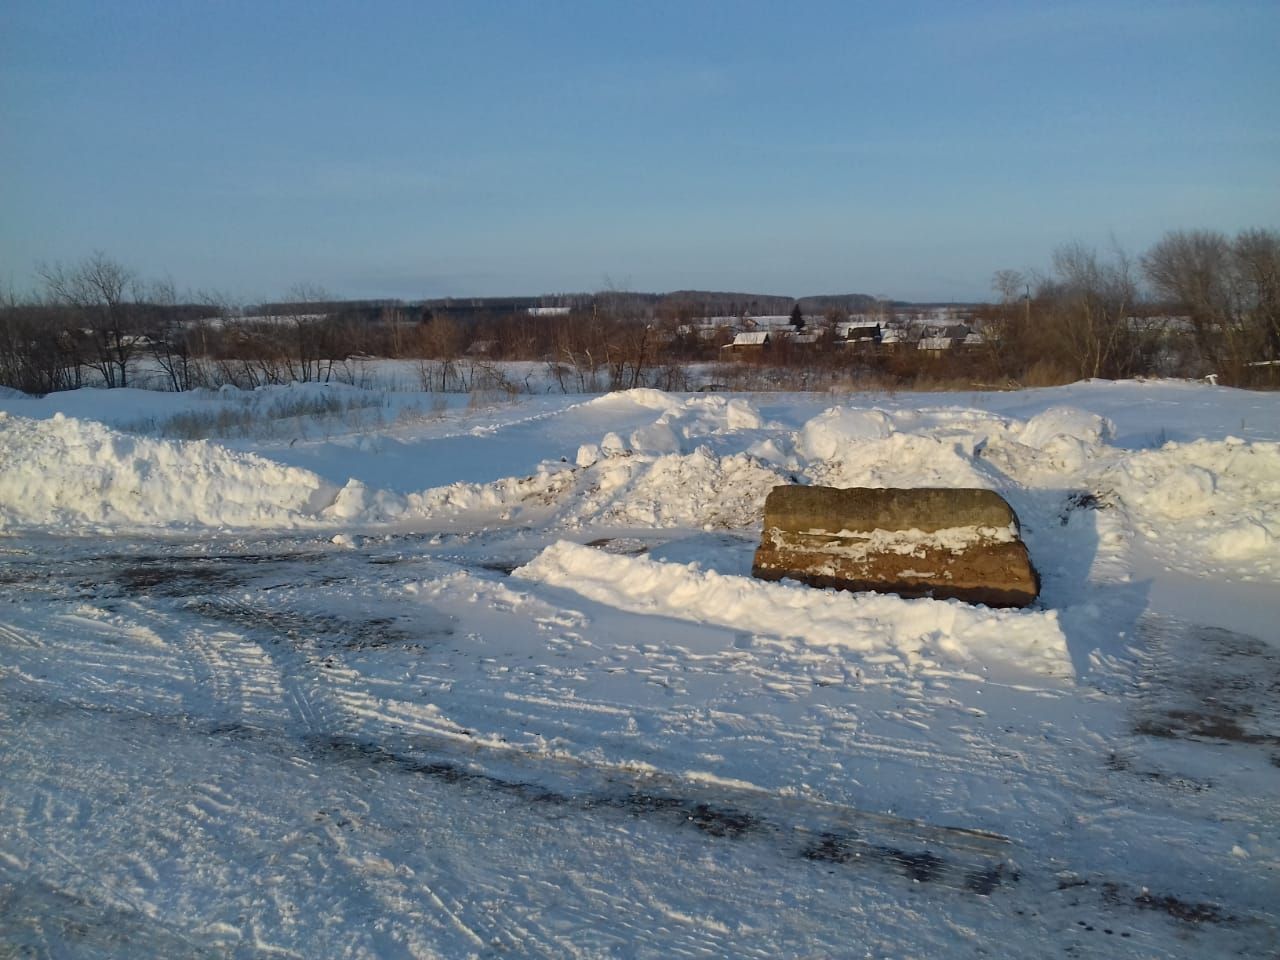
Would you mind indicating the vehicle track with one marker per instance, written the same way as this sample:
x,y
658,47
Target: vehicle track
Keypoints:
x,y
248,674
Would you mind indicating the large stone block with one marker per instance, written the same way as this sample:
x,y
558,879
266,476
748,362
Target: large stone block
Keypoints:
x,y
961,544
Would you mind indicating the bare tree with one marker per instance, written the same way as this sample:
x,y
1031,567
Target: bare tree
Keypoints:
x,y
1256,258
170,337
1010,284
1093,300
103,294
35,347
1229,290
311,358
1190,270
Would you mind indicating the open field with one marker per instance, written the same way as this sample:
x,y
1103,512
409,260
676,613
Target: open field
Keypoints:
x,y
373,676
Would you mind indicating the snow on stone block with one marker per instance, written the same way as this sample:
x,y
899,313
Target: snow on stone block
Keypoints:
x,y
960,544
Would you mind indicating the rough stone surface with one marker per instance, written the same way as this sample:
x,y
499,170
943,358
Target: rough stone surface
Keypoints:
x,y
800,509
958,544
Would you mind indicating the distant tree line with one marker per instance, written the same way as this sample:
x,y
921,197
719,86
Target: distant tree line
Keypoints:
x,y
1210,305
1197,303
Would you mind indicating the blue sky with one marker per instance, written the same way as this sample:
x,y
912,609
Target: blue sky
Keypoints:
x,y
438,149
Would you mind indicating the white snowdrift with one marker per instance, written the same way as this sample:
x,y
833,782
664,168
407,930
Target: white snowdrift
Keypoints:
x,y
830,434
884,628
63,472
1219,496
697,489
70,473
853,447
1057,423
1210,508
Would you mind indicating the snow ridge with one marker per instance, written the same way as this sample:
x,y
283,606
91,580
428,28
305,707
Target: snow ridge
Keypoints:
x,y
910,632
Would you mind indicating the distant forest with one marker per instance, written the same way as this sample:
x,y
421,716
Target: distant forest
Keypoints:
x,y
1197,304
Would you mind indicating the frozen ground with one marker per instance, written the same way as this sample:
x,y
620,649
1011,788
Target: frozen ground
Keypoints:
x,y
492,681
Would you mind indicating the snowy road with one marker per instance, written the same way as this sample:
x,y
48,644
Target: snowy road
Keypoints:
x,y
253,748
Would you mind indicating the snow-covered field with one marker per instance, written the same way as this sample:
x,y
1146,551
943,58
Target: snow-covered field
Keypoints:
x,y
377,676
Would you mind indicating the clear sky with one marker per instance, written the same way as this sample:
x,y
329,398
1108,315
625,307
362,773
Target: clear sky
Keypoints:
x,y
420,149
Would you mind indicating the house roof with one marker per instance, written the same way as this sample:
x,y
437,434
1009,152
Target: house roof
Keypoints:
x,y
757,339
936,343
857,328
770,322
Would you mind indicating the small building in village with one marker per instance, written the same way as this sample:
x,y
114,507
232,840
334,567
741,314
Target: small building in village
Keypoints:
x,y
748,343
946,337
859,336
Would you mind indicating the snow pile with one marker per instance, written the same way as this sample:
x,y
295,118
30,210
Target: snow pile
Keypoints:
x,y
1058,423
884,628
546,487
1211,508
948,447
869,448
681,426
1222,497
617,486
641,397
696,489
1059,439
661,477
63,471
832,434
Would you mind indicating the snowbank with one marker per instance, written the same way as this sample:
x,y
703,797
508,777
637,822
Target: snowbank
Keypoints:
x,y
1216,497
618,486
63,473
1057,423
912,632
830,435
1208,507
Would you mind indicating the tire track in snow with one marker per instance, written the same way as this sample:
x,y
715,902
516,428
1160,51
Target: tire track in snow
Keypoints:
x,y
13,636
299,670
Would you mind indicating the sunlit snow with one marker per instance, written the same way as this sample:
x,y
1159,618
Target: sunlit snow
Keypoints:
x,y
410,677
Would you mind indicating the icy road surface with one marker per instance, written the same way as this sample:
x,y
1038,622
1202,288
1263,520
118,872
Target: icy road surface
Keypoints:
x,y
549,716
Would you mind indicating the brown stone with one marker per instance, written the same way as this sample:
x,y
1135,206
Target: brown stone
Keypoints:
x,y
958,544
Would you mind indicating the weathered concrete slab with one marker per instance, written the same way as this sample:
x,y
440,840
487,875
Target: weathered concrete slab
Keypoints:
x,y
958,544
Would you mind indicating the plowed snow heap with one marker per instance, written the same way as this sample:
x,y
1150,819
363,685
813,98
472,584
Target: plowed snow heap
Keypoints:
x,y
961,544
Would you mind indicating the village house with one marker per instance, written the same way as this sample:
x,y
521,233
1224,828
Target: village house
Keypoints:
x,y
944,337
748,343
859,336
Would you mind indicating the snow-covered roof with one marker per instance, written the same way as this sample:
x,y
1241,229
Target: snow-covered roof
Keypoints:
x,y
753,339
936,343
772,322
704,331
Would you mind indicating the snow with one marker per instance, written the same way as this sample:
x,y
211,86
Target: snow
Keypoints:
x,y
911,632
66,473
823,437
379,675
859,544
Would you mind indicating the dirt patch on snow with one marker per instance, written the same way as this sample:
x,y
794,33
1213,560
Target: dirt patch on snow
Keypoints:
x,y
1207,684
